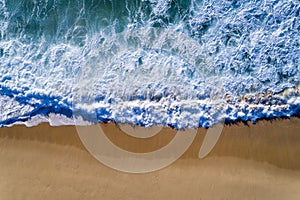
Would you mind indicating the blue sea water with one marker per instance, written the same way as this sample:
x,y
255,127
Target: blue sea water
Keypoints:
x,y
177,63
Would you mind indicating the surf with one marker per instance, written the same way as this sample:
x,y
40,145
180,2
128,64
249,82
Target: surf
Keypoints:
x,y
171,63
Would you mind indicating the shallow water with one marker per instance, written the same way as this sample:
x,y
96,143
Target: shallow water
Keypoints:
x,y
174,63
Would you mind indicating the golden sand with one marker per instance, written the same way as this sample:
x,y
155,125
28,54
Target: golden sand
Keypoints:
x,y
259,161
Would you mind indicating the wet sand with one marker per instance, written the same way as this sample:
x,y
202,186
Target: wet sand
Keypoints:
x,y
259,161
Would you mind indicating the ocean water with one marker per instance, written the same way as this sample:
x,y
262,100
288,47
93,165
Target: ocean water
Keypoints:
x,y
148,62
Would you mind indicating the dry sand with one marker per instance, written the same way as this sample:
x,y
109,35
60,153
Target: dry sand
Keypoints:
x,y
259,161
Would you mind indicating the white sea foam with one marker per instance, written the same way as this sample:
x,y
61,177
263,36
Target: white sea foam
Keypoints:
x,y
183,66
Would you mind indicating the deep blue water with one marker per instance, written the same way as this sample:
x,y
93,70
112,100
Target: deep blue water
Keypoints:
x,y
174,63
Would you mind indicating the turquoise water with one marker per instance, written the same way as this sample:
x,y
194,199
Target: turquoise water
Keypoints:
x,y
171,63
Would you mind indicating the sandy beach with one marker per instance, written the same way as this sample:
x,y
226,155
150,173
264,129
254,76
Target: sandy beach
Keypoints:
x,y
258,161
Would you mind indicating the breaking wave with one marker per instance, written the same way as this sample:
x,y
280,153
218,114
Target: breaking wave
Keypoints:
x,y
150,62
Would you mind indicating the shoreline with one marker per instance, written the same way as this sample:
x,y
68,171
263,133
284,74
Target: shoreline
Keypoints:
x,y
251,162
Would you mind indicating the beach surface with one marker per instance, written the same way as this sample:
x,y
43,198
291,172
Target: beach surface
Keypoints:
x,y
258,161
